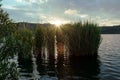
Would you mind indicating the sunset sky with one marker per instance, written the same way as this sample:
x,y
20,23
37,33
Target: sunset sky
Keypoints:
x,y
103,12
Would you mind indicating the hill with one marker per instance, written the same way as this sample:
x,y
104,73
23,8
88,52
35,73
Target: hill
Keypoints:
x,y
111,29
105,29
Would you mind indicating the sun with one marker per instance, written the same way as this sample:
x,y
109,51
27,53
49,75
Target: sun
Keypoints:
x,y
57,22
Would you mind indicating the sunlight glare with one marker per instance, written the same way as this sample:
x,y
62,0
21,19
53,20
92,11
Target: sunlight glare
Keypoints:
x,y
57,22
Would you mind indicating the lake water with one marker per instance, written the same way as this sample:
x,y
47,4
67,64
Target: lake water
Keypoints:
x,y
107,67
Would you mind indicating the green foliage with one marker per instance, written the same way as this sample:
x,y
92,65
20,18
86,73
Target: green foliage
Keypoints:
x,y
13,74
50,39
8,71
45,37
8,46
59,35
3,70
90,38
6,25
7,51
82,39
25,42
39,37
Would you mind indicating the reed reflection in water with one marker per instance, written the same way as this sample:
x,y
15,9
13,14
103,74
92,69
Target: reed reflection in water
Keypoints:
x,y
59,69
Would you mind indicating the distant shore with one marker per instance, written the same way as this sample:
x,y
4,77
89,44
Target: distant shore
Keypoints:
x,y
105,29
111,30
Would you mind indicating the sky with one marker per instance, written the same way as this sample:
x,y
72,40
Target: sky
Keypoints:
x,y
102,12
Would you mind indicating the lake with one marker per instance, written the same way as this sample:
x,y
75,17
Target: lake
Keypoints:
x,y
106,67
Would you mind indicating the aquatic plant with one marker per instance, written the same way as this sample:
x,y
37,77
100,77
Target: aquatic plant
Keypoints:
x,y
50,39
82,39
90,38
60,45
25,42
39,40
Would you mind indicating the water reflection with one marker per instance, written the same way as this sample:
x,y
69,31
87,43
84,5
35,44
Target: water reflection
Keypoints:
x,y
54,64
26,68
105,67
79,70
62,68
86,70
59,69
65,70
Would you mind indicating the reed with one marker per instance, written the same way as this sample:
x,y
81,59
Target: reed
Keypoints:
x,y
25,42
90,38
60,45
82,39
39,40
50,41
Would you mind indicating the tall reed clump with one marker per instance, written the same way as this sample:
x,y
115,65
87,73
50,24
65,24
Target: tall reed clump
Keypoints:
x,y
70,37
82,39
90,38
25,42
60,45
39,41
50,40
59,35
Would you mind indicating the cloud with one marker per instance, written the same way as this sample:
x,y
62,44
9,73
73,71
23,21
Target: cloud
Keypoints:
x,y
111,22
10,7
75,13
19,0
70,11
43,17
32,1
83,15
106,21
